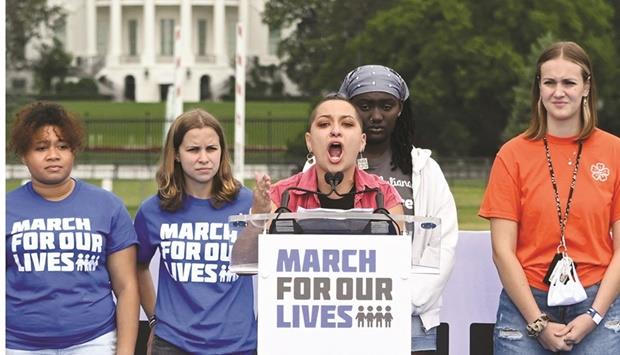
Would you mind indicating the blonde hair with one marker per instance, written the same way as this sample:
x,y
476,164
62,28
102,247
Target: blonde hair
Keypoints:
x,y
572,52
170,177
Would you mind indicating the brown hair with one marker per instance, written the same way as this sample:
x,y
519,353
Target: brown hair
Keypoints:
x,y
572,52
333,97
170,177
39,114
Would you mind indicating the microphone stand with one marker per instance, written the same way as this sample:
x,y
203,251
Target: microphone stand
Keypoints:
x,y
333,179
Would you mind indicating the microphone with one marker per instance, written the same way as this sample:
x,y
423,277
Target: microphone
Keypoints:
x,y
334,179
284,198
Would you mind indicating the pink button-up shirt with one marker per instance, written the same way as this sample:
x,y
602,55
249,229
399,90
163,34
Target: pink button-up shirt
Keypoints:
x,y
308,180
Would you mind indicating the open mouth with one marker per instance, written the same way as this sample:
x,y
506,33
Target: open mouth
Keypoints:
x,y
335,152
374,129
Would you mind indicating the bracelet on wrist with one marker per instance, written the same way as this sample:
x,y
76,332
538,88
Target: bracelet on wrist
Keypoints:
x,y
596,317
538,325
152,321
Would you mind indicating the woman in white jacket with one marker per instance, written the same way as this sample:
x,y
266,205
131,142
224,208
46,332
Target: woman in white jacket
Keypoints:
x,y
382,98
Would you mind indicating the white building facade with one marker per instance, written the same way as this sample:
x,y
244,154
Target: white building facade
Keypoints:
x,y
128,45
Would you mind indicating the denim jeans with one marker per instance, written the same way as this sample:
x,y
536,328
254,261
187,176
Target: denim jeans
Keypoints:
x,y
103,345
510,334
163,347
422,339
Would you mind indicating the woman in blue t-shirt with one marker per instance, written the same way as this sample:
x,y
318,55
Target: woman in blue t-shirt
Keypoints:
x,y
201,306
69,247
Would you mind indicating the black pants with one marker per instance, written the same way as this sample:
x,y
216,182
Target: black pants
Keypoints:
x,y
162,347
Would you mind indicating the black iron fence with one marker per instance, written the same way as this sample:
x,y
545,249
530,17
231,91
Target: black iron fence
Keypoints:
x,y
139,141
270,142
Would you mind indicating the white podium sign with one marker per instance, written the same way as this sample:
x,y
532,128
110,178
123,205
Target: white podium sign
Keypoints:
x,y
334,294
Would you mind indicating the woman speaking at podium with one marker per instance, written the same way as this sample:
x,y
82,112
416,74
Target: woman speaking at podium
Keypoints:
x,y
334,141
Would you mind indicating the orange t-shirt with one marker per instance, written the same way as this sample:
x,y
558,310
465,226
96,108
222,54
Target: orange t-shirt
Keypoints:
x,y
520,190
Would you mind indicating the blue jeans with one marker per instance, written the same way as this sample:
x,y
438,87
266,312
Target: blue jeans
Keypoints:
x,y
510,334
104,345
422,339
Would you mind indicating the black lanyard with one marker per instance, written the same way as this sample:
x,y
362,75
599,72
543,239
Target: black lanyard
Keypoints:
x,y
573,182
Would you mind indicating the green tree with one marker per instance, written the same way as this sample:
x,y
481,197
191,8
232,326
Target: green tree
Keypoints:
x,y
27,20
464,60
315,55
521,108
53,63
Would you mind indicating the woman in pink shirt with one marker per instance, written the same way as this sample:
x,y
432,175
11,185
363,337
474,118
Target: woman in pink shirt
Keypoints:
x,y
334,140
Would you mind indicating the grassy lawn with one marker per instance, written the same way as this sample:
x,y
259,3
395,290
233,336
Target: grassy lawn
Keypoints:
x,y
157,110
467,193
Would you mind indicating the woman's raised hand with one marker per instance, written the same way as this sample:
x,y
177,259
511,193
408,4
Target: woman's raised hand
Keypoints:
x,y
262,200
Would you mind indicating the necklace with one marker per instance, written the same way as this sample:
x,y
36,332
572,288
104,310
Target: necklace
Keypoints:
x,y
571,157
563,219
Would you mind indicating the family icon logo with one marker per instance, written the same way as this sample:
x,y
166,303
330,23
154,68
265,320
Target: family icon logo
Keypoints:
x,y
376,319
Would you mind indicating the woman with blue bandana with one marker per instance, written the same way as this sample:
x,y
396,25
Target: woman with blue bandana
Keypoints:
x,y
381,97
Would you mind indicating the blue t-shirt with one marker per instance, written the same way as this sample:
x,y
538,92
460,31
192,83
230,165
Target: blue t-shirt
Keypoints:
x,y
58,290
201,306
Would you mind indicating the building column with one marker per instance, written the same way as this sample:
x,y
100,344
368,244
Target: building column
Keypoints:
x,y
91,30
116,22
219,29
186,33
148,37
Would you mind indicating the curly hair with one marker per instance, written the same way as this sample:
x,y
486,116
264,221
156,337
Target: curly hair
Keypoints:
x,y
170,176
39,114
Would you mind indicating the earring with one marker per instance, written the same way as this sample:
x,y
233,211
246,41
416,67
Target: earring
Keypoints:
x,y
540,108
362,162
310,158
586,110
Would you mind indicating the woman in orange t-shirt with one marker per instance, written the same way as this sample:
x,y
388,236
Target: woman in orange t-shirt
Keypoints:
x,y
557,183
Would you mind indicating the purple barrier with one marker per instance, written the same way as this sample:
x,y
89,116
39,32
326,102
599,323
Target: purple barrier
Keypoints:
x,y
472,292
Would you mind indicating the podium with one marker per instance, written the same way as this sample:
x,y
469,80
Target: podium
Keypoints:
x,y
334,293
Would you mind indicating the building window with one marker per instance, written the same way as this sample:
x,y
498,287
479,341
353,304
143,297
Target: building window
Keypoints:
x,y
60,26
231,38
18,84
133,37
102,37
202,37
166,37
274,40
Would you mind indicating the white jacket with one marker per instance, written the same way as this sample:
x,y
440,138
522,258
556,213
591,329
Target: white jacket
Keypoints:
x,y
432,198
